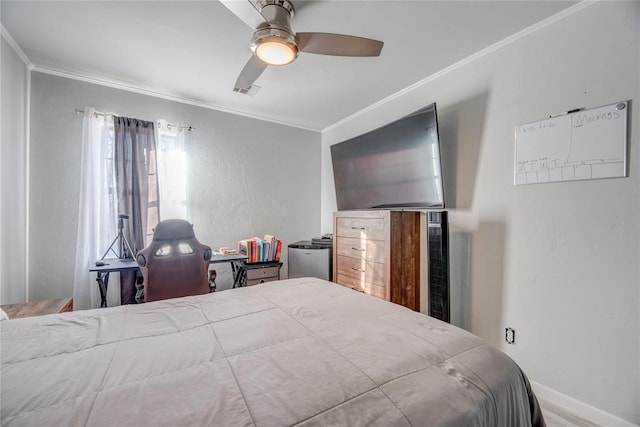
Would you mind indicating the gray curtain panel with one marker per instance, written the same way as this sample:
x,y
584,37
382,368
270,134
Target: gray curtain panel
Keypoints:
x,y
137,189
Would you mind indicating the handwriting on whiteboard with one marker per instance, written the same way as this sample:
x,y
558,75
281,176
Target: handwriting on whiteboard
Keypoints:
x,y
583,145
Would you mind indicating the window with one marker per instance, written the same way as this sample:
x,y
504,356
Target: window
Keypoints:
x,y
172,170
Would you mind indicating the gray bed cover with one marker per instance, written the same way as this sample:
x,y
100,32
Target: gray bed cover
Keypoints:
x,y
294,352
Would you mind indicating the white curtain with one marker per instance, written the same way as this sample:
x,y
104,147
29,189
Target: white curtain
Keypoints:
x,y
97,211
172,170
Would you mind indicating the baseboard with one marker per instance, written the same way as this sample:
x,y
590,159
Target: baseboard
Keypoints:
x,y
579,408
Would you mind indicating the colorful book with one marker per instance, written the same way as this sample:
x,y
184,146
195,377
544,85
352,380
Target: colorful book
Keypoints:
x,y
260,250
278,250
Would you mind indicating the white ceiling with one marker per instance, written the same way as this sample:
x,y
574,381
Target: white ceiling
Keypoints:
x,y
194,50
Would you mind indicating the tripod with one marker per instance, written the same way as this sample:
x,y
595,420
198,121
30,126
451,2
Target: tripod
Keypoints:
x,y
123,244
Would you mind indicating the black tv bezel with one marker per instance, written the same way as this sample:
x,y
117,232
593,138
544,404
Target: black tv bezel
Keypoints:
x,y
400,206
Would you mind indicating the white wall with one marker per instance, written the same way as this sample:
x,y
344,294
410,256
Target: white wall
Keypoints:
x,y
13,179
246,177
556,262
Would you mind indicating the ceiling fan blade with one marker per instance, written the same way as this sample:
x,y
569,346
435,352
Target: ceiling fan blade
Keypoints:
x,y
249,74
338,44
246,10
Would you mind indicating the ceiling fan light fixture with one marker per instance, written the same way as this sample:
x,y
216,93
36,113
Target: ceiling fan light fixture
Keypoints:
x,y
274,42
276,52
274,46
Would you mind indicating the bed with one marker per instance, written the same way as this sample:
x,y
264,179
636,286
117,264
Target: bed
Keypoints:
x,y
293,352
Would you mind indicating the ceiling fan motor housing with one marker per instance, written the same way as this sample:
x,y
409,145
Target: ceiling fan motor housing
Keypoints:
x,y
275,43
277,28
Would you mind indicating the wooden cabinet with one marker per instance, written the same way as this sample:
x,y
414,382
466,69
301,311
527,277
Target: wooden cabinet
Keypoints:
x,y
378,253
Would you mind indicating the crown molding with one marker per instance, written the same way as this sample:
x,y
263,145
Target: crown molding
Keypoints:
x,y
134,88
469,59
23,56
157,94
171,97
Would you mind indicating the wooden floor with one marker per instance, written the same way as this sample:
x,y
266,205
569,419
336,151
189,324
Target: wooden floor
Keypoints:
x,y
557,417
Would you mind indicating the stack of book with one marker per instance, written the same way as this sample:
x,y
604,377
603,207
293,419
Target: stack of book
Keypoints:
x,y
266,249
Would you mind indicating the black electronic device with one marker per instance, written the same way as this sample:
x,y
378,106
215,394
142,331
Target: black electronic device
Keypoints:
x,y
395,166
438,266
124,248
322,241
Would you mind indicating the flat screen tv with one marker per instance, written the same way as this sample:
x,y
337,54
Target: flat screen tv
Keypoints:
x,y
395,166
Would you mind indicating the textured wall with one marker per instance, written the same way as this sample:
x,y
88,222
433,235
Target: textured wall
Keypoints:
x,y
246,177
13,233
556,262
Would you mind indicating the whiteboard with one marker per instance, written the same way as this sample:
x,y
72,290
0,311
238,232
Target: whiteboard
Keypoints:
x,y
586,144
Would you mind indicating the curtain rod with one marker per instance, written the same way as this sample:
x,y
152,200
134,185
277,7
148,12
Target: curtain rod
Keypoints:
x,y
169,125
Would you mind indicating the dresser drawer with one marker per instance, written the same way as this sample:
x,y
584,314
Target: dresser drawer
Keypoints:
x,y
261,280
371,250
367,228
262,273
361,270
368,288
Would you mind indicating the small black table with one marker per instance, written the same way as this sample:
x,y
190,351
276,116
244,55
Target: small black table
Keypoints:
x,y
245,273
116,265
111,265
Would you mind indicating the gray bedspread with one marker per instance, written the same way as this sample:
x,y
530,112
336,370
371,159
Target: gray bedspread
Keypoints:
x,y
293,352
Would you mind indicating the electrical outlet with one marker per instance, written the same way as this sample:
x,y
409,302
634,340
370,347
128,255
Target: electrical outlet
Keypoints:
x,y
510,336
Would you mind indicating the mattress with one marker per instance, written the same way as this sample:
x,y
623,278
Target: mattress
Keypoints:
x,y
293,352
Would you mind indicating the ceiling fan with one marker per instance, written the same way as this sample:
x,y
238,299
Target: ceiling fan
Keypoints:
x,y
275,43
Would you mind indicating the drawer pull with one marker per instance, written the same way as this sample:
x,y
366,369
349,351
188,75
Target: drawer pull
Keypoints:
x,y
361,270
358,249
358,228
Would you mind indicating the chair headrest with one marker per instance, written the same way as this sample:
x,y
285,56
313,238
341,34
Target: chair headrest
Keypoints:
x,y
173,229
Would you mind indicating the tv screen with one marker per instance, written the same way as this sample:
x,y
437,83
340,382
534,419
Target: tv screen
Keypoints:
x,y
395,166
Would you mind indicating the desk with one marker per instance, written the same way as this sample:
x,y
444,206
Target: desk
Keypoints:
x,y
233,260
217,258
115,265
111,265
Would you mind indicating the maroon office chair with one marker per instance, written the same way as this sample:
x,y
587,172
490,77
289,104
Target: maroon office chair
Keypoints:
x,y
174,264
